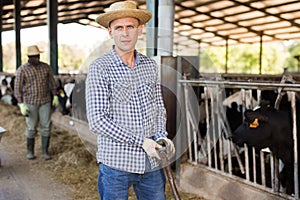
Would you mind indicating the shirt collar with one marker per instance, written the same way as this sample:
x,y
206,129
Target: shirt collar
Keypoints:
x,y
118,60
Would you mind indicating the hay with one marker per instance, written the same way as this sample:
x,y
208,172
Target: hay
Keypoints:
x,y
71,164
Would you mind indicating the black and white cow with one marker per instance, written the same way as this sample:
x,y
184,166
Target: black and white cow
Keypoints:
x,y
71,97
7,89
64,93
272,128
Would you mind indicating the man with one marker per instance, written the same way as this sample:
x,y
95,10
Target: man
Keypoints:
x,y
125,108
33,83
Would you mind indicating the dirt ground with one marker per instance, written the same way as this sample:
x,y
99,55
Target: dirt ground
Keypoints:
x,y
70,174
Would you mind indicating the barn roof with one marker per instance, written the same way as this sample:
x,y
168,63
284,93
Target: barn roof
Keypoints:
x,y
208,22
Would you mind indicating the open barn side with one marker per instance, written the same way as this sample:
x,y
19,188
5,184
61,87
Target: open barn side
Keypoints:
x,y
215,162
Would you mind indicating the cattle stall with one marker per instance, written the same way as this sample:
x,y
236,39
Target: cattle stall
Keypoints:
x,y
226,162
208,126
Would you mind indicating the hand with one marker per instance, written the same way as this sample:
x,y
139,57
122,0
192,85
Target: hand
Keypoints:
x,y
55,101
24,109
150,147
169,146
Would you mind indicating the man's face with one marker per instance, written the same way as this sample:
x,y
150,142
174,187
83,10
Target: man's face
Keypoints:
x,y
125,32
34,60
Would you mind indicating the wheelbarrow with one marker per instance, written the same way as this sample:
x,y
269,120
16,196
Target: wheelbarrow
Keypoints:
x,y
2,131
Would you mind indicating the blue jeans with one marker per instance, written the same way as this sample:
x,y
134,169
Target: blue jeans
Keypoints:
x,y
113,184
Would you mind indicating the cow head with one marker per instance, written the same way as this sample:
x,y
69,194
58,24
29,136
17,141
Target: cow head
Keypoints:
x,y
266,127
255,130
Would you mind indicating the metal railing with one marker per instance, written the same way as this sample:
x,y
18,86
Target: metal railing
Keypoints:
x,y
218,150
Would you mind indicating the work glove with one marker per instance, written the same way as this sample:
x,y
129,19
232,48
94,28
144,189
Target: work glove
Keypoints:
x,y
169,145
55,101
151,147
24,109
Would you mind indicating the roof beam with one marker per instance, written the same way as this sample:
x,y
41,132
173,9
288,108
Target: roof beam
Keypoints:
x,y
247,4
226,21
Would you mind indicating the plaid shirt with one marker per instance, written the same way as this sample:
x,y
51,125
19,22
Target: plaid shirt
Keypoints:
x,y
124,106
33,84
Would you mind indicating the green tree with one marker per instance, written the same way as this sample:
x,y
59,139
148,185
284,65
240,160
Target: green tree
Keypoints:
x,y
291,63
70,57
244,58
9,55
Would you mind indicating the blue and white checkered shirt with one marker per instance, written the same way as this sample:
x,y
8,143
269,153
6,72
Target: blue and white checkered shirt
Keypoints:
x,y
124,106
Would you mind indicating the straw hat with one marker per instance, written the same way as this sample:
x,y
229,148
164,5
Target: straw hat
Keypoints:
x,y
123,9
33,50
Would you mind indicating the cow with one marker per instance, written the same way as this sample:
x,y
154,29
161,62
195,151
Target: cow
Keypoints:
x,y
7,88
267,127
64,93
234,104
78,101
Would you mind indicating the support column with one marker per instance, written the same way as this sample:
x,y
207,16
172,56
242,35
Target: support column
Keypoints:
x,y
199,55
52,30
17,26
151,27
165,27
226,57
260,52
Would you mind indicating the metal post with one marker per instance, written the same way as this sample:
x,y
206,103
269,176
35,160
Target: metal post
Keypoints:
x,y
260,52
262,168
187,122
245,146
17,13
296,181
179,119
213,119
165,27
219,134
226,57
52,7
208,127
199,55
151,27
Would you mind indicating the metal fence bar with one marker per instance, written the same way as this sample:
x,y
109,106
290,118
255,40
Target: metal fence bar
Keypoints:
x,y
254,165
262,168
213,119
193,122
272,172
229,157
244,85
296,181
206,93
247,162
188,126
220,135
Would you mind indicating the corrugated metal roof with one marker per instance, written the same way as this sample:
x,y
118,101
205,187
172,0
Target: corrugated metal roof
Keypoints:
x,y
207,22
